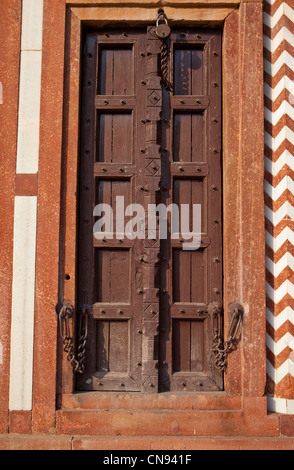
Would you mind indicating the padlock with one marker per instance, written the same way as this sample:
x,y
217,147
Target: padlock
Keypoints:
x,y
163,30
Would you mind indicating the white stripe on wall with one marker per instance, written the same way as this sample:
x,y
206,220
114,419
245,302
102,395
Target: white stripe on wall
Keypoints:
x,y
29,112
25,218
32,25
280,405
23,304
30,87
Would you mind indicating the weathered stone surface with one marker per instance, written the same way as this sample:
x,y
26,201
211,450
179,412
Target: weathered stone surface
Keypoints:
x,y
20,422
251,421
243,157
182,444
47,258
10,26
25,442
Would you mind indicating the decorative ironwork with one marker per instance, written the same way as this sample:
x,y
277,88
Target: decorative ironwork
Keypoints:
x,y
163,32
66,313
221,349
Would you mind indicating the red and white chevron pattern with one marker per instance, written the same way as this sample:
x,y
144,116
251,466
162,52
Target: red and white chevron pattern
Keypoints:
x,y
279,194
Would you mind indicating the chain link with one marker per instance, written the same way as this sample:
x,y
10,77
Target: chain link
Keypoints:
x,y
164,66
66,313
220,349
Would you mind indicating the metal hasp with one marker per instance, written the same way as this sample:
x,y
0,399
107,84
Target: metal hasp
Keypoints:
x,y
221,349
66,313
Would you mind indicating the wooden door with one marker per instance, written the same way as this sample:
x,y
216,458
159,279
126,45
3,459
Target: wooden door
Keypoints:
x,y
150,328
192,280
110,277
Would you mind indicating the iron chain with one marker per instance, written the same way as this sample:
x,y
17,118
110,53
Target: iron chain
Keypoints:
x,y
66,313
164,66
221,349
163,32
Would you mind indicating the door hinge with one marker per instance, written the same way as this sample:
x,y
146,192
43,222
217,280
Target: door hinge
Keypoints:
x,y
222,348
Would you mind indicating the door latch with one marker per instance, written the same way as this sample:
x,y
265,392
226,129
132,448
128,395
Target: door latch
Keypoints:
x,y
222,348
66,313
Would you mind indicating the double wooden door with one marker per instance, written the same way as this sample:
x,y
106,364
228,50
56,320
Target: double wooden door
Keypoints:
x,y
150,327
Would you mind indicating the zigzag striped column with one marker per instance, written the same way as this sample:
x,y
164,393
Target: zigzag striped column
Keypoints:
x,y
279,200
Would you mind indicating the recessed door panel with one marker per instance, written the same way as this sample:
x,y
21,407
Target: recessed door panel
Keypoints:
x,y
116,69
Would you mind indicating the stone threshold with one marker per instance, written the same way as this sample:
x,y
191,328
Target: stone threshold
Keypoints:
x,y
163,401
169,416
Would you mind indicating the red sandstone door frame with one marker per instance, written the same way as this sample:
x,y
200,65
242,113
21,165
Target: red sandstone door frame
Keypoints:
x,y
243,167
